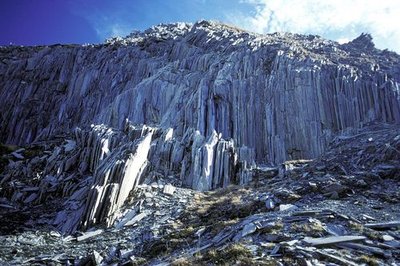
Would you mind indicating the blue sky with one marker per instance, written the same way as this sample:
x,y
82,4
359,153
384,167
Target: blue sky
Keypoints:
x,y
32,22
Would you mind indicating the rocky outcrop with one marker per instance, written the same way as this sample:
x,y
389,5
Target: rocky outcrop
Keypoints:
x,y
343,205
267,92
116,172
205,103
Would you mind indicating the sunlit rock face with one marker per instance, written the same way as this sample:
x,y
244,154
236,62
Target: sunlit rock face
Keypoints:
x,y
204,102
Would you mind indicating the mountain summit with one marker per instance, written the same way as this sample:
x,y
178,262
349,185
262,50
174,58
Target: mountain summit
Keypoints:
x,y
93,132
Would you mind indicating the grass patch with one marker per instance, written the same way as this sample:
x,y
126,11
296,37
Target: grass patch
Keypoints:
x,y
370,261
138,262
32,152
368,232
276,228
214,211
169,243
309,229
181,262
6,149
223,206
356,226
234,254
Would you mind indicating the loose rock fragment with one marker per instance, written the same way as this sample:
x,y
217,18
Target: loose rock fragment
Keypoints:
x,y
332,240
89,234
136,219
287,207
373,250
169,189
97,258
248,229
387,225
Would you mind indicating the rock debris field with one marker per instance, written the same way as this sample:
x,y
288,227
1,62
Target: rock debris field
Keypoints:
x,y
200,144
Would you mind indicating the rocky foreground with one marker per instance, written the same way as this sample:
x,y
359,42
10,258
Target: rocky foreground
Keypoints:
x,y
342,208
200,144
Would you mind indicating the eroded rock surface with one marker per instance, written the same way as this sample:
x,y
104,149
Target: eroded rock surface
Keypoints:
x,y
267,92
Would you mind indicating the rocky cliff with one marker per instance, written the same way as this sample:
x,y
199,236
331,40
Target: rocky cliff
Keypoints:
x,y
269,93
202,105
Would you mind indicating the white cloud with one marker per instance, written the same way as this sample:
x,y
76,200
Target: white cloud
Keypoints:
x,y
339,19
107,27
118,29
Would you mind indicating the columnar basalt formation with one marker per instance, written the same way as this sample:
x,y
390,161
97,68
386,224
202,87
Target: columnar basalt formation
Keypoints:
x,y
205,103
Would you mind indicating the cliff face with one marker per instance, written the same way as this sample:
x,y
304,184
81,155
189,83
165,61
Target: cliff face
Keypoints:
x,y
204,102
281,95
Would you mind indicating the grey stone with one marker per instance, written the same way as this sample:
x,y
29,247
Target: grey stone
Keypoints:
x,y
248,229
393,244
287,207
335,229
386,225
127,217
332,240
97,258
17,155
387,238
373,250
136,219
32,240
270,204
70,145
336,258
89,234
169,189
